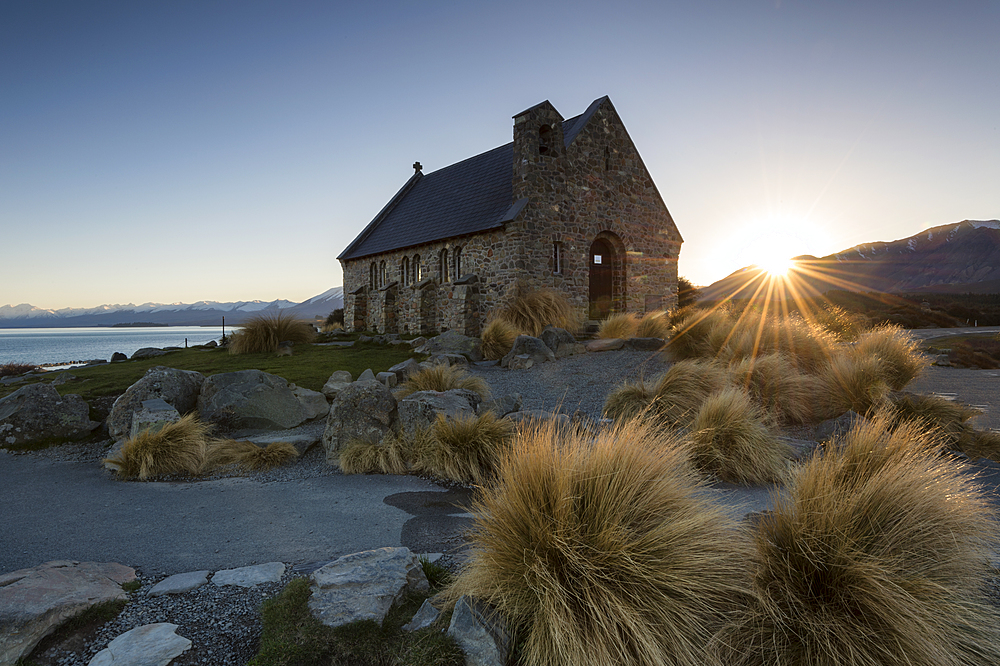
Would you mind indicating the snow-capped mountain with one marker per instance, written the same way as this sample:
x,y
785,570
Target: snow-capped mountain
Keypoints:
x,y
177,314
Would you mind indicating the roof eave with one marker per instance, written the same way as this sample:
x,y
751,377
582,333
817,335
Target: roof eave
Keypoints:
x,y
381,214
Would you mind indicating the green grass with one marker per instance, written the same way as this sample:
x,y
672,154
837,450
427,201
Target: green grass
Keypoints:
x,y
293,637
309,367
83,624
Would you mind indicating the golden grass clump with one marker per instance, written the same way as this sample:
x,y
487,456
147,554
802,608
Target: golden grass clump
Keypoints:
x,y
390,456
273,455
729,439
851,382
700,334
898,351
531,310
845,325
603,548
443,377
263,333
177,448
672,398
630,400
807,346
878,554
950,420
653,325
498,337
621,325
465,449
778,387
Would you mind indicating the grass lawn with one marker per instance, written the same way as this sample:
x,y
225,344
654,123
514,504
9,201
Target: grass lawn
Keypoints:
x,y
310,366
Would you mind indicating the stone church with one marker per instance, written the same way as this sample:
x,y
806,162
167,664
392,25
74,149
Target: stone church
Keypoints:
x,y
567,205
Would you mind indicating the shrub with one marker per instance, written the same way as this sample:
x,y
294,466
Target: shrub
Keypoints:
x,y
687,294
901,360
273,455
878,554
653,325
335,317
464,449
851,382
622,325
13,369
443,377
807,346
263,333
602,548
778,387
498,338
729,439
845,325
950,421
390,456
701,334
530,311
178,447
672,398
630,400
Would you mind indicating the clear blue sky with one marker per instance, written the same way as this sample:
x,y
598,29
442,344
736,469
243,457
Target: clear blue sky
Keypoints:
x,y
178,151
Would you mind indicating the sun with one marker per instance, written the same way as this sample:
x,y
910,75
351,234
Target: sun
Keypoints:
x,y
776,266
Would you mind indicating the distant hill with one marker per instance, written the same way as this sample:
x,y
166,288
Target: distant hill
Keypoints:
x,y
175,314
950,259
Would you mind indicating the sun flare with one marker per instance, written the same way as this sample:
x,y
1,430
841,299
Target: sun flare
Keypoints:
x,y
777,266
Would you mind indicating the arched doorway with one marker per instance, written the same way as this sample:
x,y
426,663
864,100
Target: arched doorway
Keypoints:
x,y
603,267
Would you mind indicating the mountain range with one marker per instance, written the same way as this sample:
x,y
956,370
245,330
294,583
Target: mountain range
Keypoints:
x,y
958,258
175,314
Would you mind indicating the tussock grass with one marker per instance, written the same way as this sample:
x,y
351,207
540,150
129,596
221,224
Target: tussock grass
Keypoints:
x,y
898,352
778,387
852,382
14,369
729,439
465,449
273,455
950,420
699,334
621,325
878,555
178,447
630,400
653,325
530,311
498,338
443,378
847,326
264,332
672,398
602,548
390,456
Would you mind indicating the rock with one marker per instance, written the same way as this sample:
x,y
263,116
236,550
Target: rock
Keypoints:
x,y
570,349
33,602
420,410
211,344
62,378
152,416
451,342
364,586
405,369
302,443
417,342
257,574
250,399
833,428
520,362
148,645
388,378
425,617
603,344
367,376
554,337
942,360
480,632
336,383
313,402
37,413
506,405
521,418
118,356
147,352
645,344
178,388
365,338
364,410
180,583
533,348
449,359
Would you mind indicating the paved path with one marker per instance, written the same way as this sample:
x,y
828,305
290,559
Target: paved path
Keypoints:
x,y
63,510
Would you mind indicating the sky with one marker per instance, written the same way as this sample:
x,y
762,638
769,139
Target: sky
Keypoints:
x,y
228,151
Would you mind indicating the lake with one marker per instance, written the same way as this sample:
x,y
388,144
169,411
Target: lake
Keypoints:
x,y
72,345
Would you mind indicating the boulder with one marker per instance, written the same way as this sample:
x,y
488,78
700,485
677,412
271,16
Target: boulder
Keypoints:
x,y
388,378
367,376
508,404
33,602
424,617
480,632
451,342
533,348
313,402
554,337
250,399
302,442
211,344
180,583
37,413
62,378
645,344
152,416
257,574
178,388
147,352
405,369
566,349
420,410
118,356
337,381
519,362
148,645
364,410
417,342
529,415
364,586
449,359
605,344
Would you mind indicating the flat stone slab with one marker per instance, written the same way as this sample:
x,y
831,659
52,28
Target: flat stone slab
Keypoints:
x,y
180,583
605,345
33,602
250,576
148,645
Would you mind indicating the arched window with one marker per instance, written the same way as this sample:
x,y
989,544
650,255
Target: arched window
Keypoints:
x,y
417,274
404,271
545,140
456,259
443,266
371,276
381,275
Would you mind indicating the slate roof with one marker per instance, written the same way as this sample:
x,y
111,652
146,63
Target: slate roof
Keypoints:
x,y
468,197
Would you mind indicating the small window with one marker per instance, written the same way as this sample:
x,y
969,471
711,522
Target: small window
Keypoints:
x,y
545,140
381,275
371,276
443,267
417,275
404,271
607,158
557,258
456,258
